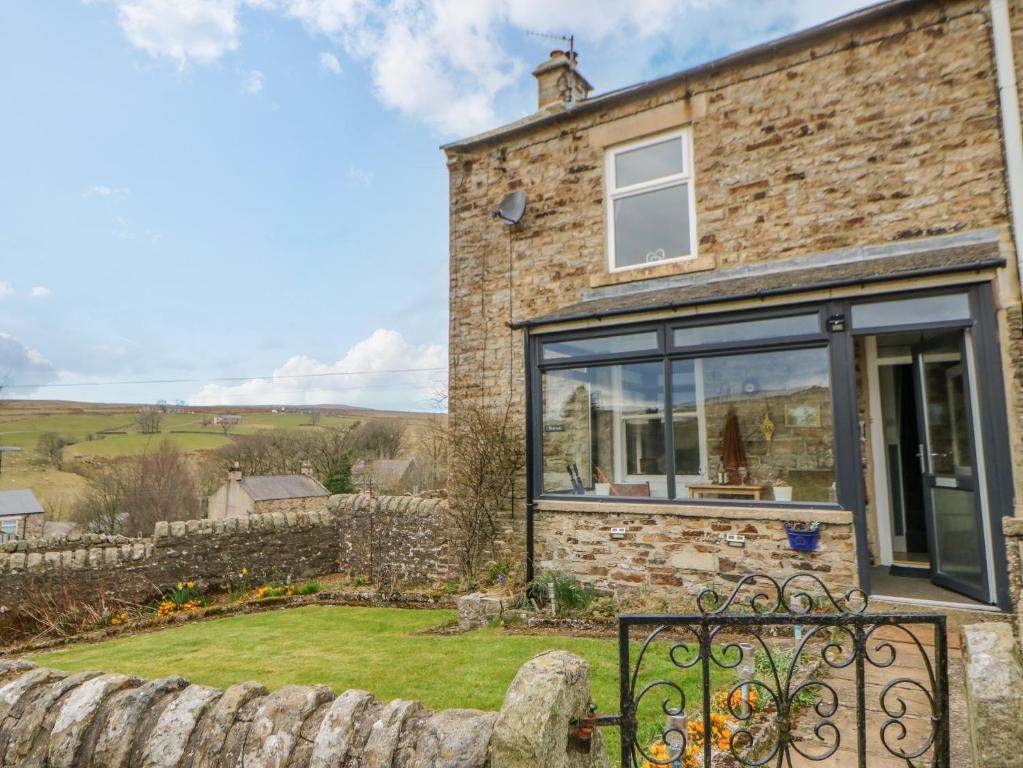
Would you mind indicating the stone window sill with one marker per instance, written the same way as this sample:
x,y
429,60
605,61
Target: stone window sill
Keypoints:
x,y
699,264
721,512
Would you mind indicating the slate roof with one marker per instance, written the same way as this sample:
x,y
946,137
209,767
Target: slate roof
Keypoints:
x,y
384,471
267,487
732,285
777,46
19,502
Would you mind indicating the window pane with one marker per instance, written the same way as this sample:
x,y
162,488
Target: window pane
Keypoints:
x,y
926,309
603,431
601,345
723,333
654,161
652,226
761,419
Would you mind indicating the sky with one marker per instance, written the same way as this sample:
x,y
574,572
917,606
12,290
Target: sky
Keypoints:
x,y
242,202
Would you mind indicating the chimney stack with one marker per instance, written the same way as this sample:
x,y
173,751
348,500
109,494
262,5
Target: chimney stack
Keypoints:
x,y
307,468
559,82
235,472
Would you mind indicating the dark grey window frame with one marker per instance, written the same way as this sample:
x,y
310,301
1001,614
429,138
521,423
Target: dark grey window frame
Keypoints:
x,y
850,492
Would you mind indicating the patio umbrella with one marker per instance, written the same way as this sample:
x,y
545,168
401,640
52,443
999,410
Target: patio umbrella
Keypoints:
x,y
733,451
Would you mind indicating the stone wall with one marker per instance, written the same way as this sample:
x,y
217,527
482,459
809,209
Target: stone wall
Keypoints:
x,y
673,551
306,504
395,539
99,720
392,540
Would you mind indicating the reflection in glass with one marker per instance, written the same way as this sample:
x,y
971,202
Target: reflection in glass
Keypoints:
x,y
601,345
770,328
654,161
603,430
652,226
959,551
913,311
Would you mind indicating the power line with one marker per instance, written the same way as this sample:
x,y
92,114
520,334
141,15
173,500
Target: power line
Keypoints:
x,y
221,379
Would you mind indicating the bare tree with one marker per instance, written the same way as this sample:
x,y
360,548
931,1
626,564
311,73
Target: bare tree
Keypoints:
x,y
314,416
148,420
486,455
382,438
50,448
431,453
130,497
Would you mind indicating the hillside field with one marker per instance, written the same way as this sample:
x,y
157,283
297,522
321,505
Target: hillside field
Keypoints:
x,y
105,432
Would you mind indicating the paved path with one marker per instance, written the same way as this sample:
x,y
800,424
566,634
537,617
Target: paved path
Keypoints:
x,y
909,663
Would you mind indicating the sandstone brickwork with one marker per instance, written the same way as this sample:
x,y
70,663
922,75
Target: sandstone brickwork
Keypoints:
x,y
678,551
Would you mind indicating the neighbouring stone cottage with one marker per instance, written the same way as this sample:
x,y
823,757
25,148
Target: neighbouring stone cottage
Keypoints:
x,y
21,515
243,495
777,287
385,476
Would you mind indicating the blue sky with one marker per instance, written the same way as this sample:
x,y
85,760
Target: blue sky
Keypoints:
x,y
208,189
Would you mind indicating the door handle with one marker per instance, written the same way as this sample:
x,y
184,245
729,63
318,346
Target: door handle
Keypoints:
x,y
923,462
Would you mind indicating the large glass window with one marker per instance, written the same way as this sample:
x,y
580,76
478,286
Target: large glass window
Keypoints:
x,y
912,311
754,426
747,426
650,202
603,431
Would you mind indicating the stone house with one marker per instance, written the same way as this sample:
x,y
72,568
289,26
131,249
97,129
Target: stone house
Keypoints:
x,y
21,515
778,287
386,476
243,495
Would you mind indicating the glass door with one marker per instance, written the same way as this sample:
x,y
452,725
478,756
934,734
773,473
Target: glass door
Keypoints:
x,y
948,463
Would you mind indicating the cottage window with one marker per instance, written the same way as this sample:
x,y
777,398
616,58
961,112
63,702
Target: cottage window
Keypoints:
x,y
749,404
650,208
9,527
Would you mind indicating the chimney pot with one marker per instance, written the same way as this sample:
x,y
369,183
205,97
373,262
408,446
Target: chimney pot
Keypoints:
x,y
235,472
559,82
307,468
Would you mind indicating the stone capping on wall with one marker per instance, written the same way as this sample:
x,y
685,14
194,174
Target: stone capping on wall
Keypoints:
x,y
48,717
715,511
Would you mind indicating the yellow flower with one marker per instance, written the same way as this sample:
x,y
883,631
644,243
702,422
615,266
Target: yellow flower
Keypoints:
x,y
180,585
191,584
244,571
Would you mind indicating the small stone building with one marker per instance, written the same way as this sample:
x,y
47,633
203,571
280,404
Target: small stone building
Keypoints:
x,y
21,515
385,476
779,287
244,495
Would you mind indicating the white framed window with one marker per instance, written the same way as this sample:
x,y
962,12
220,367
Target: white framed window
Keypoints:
x,y
651,209
9,527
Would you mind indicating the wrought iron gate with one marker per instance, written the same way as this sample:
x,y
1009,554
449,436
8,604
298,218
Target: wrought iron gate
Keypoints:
x,y
810,678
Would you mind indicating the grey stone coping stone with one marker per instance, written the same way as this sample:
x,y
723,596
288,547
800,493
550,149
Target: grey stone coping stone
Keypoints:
x,y
275,730
116,742
16,742
78,713
337,732
167,743
994,694
384,737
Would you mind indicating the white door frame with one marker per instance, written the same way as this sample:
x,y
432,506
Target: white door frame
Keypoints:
x,y
882,502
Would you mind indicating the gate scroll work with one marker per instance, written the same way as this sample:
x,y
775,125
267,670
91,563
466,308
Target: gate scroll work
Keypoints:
x,y
788,675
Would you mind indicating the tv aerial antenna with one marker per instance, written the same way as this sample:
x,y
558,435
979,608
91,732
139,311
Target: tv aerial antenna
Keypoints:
x,y
570,39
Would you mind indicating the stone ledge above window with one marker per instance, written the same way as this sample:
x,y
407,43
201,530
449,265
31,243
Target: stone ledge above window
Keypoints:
x,y
673,115
722,511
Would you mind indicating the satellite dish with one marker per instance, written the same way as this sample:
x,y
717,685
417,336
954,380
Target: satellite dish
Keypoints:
x,y
512,207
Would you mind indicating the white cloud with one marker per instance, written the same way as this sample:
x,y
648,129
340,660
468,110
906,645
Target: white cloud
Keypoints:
x,y
384,350
443,61
21,365
6,289
330,63
102,190
254,82
359,176
40,292
183,30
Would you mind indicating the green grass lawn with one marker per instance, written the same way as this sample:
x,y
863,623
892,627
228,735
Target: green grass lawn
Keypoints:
x,y
375,649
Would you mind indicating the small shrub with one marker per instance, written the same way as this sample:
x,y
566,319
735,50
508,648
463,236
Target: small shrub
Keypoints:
x,y
311,588
360,581
570,594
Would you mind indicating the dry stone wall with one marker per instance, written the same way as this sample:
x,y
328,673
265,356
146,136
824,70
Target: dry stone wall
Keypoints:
x,y
398,541
93,720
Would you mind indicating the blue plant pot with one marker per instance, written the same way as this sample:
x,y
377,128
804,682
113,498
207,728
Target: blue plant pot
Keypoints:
x,y
803,541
